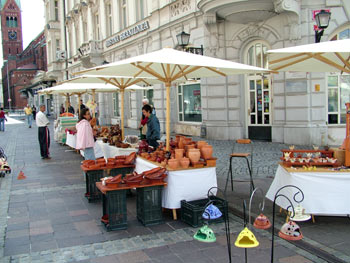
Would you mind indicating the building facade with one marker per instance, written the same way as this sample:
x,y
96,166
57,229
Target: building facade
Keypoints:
x,y
297,108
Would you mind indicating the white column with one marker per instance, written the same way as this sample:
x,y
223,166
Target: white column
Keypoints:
x,y
81,29
102,17
74,39
90,24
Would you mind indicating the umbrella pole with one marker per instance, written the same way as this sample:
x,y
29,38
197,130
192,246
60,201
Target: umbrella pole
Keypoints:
x,y
122,111
79,103
67,101
93,102
168,85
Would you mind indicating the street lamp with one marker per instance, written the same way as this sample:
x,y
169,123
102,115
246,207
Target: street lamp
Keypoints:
x,y
8,84
183,39
322,20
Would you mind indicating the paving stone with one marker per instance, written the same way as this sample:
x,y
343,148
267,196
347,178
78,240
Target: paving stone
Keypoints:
x,y
106,259
41,230
15,250
135,256
44,245
17,233
68,242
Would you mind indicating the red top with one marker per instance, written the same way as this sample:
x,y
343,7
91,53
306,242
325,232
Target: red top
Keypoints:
x,y
144,121
2,114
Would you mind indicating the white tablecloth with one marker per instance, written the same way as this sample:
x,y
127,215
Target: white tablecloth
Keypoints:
x,y
71,141
189,185
112,151
325,193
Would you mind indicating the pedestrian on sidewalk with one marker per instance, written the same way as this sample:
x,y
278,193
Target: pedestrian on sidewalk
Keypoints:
x,y
43,132
85,135
28,111
70,108
153,127
2,119
34,111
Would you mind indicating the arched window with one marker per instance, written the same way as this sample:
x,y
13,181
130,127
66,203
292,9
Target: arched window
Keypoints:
x,y
15,24
7,21
338,89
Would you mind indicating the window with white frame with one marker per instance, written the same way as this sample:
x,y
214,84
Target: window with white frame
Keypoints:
x,y
189,103
56,10
109,22
140,9
116,111
97,27
123,14
58,45
338,89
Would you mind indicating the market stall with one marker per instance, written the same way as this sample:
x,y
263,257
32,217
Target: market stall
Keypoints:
x,y
326,190
110,151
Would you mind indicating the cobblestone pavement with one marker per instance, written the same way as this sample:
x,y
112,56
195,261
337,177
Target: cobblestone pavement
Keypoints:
x,y
45,218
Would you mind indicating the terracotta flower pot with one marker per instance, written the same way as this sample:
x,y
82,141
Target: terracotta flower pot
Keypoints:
x,y
177,138
207,151
173,164
185,162
194,155
179,153
200,144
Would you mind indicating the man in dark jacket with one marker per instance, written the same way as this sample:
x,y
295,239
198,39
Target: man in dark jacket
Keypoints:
x,y
153,127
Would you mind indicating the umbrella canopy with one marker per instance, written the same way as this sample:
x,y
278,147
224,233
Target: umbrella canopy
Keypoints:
x,y
169,66
331,56
115,83
75,89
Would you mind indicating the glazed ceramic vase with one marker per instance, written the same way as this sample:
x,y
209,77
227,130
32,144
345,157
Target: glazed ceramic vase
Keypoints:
x,y
194,155
184,162
179,153
173,164
207,151
200,144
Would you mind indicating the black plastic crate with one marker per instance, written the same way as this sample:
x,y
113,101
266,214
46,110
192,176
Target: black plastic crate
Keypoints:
x,y
192,211
92,177
122,170
114,205
149,205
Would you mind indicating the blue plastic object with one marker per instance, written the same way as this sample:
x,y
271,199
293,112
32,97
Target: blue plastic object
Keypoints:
x,y
211,212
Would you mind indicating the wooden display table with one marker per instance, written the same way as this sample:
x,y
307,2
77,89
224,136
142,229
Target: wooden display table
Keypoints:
x,y
93,176
114,211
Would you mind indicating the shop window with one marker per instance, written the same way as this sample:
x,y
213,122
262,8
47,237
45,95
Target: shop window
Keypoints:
x,y
148,94
56,10
116,112
189,103
338,95
338,89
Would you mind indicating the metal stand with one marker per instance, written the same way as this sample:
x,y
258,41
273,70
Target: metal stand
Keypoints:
x,y
277,195
226,218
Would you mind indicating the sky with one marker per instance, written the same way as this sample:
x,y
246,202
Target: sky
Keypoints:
x,y
33,21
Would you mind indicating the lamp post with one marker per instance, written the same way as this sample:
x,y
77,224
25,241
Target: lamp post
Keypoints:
x,y
322,20
183,39
8,84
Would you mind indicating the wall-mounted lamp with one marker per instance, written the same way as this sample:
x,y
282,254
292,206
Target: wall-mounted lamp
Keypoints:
x,y
322,20
183,39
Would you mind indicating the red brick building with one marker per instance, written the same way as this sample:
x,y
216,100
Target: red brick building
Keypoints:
x,y
20,66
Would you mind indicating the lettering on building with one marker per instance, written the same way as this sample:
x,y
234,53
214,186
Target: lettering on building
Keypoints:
x,y
127,33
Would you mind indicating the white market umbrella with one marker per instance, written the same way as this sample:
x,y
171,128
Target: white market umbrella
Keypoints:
x,y
171,66
115,83
330,56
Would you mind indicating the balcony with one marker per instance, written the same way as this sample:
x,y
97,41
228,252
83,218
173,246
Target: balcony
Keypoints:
x,y
90,53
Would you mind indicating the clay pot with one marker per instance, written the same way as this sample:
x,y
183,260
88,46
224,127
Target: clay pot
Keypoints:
x,y
184,162
177,138
200,144
173,164
179,153
207,151
194,155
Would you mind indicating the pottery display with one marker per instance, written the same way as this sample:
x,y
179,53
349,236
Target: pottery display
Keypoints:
x,y
194,155
179,153
290,231
201,143
173,164
184,162
143,146
207,151
262,222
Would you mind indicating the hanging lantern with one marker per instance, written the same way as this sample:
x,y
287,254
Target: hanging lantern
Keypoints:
x,y
262,222
300,215
246,239
290,231
212,212
205,234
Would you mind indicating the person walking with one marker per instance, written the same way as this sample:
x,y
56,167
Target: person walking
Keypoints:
x,y
34,112
85,135
28,111
43,133
143,123
2,119
70,108
153,127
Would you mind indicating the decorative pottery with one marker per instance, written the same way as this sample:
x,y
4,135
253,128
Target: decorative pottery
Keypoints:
x,y
290,231
194,155
177,138
179,153
262,222
173,164
143,146
300,214
181,142
207,151
246,239
201,143
185,162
